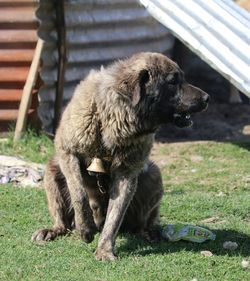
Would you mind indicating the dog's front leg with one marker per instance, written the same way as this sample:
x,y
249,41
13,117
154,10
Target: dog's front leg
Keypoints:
x,y
84,221
122,192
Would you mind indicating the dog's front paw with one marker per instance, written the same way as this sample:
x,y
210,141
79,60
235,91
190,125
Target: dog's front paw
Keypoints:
x,y
43,235
103,255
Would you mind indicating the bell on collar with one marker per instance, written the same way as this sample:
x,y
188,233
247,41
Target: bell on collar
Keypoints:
x,y
96,166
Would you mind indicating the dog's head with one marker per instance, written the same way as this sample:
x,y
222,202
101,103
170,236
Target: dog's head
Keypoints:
x,y
159,91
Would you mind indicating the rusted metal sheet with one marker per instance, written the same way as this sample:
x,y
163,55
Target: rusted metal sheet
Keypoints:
x,y
18,38
97,32
216,30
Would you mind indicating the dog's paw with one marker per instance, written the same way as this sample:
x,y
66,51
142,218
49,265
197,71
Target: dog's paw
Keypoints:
x,y
43,235
102,255
47,234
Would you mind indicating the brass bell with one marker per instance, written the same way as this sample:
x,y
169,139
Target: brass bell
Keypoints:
x,y
96,166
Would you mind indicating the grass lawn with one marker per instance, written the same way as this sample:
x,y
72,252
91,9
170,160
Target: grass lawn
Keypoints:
x,y
201,180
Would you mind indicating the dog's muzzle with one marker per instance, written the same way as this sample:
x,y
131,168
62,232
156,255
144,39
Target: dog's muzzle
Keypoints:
x,y
182,120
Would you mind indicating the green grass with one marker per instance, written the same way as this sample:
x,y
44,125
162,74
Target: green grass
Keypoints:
x,y
219,187
206,166
33,147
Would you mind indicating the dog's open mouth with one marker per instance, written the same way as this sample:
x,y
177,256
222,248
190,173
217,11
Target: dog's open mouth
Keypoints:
x,y
183,120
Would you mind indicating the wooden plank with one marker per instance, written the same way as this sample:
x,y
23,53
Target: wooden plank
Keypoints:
x,y
18,25
11,114
27,91
8,114
10,95
9,2
18,36
10,102
18,45
13,74
13,95
12,85
17,14
21,55
15,104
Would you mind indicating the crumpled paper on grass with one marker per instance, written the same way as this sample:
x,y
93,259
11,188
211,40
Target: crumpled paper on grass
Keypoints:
x,y
19,172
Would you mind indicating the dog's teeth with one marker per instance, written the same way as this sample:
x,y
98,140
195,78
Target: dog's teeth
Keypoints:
x,y
187,116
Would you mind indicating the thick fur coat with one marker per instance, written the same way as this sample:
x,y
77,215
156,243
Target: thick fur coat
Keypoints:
x,y
114,114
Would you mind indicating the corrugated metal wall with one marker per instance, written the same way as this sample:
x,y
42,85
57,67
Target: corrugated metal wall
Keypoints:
x,y
97,32
17,44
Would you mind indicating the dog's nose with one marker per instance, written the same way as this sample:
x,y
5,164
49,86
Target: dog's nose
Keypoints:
x,y
206,98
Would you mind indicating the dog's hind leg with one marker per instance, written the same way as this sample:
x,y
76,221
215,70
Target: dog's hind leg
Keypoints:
x,y
150,183
142,216
59,204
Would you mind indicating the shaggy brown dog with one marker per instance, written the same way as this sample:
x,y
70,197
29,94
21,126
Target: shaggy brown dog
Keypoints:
x,y
113,114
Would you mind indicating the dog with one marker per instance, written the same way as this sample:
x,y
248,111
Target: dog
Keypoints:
x,y
113,116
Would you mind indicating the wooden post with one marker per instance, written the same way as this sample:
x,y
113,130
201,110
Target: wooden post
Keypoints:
x,y
27,92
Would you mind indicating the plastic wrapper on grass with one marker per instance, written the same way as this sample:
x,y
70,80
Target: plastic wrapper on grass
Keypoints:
x,y
197,234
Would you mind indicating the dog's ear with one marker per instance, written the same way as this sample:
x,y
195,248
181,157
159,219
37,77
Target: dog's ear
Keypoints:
x,y
139,89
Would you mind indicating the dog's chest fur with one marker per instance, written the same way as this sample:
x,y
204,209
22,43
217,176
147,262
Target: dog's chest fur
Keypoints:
x,y
90,121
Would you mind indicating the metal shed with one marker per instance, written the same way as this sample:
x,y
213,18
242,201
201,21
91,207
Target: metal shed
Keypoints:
x,y
218,31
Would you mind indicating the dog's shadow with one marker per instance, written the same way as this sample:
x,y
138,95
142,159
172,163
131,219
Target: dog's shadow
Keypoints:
x,y
142,248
